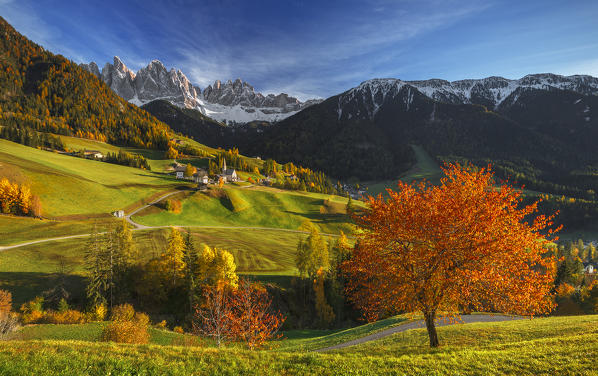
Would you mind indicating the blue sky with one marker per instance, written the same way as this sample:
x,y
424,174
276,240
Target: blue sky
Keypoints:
x,y
320,48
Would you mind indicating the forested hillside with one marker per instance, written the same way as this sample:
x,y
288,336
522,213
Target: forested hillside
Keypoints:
x,y
49,93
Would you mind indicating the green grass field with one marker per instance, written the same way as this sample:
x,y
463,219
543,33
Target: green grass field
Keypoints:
x,y
426,167
29,270
75,186
90,332
546,346
254,206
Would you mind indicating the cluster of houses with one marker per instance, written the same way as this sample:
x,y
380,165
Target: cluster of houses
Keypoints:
x,y
202,178
354,192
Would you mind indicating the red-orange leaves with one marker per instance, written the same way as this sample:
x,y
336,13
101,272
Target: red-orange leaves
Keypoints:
x,y
462,245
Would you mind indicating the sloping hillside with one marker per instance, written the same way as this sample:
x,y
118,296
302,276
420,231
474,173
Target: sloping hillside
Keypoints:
x,y
49,93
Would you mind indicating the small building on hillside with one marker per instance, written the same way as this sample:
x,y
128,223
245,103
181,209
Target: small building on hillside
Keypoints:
x,y
179,171
119,213
589,268
93,154
201,177
229,174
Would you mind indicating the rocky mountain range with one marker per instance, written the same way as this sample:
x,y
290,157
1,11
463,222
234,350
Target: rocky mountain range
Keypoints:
x,y
493,92
545,122
229,102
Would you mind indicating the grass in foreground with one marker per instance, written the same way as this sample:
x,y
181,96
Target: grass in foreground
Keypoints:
x,y
540,348
90,332
310,340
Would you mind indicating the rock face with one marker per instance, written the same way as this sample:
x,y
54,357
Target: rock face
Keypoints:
x,y
119,78
239,93
231,102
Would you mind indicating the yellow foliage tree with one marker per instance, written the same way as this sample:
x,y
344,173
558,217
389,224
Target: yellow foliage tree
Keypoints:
x,y
189,170
171,262
216,266
324,310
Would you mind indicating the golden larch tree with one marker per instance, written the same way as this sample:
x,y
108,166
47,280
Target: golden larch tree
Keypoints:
x,y
466,244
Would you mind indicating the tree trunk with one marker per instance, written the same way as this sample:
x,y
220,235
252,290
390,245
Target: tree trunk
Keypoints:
x,y
431,326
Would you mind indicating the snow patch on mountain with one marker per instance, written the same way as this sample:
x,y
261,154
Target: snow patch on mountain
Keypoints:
x,y
231,102
370,95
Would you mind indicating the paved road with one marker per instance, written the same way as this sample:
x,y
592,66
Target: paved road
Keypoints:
x,y
138,226
466,319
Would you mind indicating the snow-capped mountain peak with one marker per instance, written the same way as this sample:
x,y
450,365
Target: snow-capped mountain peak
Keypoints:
x,y
490,91
232,101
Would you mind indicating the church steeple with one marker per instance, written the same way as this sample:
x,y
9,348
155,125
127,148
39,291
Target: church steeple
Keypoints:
x,y
224,166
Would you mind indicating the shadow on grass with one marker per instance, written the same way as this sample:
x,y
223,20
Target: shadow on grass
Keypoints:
x,y
283,281
25,286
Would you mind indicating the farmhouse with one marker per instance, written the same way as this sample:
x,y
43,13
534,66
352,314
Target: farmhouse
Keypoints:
x,y
94,154
201,177
229,174
589,268
179,171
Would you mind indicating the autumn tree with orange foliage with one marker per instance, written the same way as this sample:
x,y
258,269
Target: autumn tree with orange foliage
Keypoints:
x,y
241,313
463,245
254,321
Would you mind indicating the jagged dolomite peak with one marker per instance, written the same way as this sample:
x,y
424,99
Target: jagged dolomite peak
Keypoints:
x,y
232,102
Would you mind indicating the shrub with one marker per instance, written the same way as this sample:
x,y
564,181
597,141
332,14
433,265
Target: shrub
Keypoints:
x,y
32,317
178,329
98,313
125,332
33,311
69,316
5,301
123,312
161,324
173,205
141,318
127,326
9,322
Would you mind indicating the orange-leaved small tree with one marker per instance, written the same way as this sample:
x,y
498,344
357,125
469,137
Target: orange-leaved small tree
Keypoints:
x,y
465,244
213,317
253,319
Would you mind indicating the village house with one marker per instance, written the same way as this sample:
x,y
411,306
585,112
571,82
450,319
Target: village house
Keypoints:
x,y
119,213
93,154
179,171
589,268
229,174
201,177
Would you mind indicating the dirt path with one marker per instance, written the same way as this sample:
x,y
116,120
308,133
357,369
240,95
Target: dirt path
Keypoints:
x,y
465,319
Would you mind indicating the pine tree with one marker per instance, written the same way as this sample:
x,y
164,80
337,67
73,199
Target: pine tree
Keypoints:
x,y
97,276
190,259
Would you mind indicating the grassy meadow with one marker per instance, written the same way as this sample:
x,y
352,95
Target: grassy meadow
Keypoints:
x,y
26,271
425,167
254,207
542,346
71,187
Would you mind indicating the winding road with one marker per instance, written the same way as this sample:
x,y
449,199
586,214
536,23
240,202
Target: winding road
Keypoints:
x,y
465,319
138,227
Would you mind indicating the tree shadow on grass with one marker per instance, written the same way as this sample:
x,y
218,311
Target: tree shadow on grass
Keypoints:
x,y
25,286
